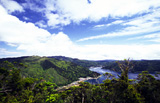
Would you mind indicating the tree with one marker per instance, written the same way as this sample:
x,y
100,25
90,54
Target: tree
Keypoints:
x,y
125,67
149,87
123,91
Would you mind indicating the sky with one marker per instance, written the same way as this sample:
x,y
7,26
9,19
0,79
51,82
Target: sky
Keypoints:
x,y
83,29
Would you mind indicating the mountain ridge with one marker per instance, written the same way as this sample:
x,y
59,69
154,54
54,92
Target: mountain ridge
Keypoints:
x,y
52,70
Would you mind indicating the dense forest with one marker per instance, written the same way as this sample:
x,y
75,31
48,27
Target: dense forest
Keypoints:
x,y
84,63
152,66
17,88
139,65
49,69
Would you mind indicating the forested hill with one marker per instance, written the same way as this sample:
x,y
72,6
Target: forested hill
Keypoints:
x,y
16,89
138,66
84,63
50,69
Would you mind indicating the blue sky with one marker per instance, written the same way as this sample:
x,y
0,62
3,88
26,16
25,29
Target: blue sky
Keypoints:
x,y
84,29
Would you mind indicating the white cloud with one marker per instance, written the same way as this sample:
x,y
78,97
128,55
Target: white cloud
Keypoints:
x,y
31,40
15,31
50,11
41,24
50,5
99,26
54,20
146,24
122,51
156,40
110,24
11,6
31,4
26,18
56,44
11,44
80,9
93,52
5,53
150,37
154,37
116,22
63,12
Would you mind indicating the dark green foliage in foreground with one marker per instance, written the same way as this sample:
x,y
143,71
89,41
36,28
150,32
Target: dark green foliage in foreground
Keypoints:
x,y
149,87
17,89
116,90
50,69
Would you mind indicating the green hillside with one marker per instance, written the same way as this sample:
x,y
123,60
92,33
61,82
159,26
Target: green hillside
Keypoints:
x,y
50,69
84,63
138,66
16,89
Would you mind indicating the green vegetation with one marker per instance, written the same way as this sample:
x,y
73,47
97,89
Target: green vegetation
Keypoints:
x,y
83,63
138,66
50,69
16,88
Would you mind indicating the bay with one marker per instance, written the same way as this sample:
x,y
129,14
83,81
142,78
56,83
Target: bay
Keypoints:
x,y
102,77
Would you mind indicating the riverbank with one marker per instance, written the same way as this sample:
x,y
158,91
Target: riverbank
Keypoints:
x,y
76,83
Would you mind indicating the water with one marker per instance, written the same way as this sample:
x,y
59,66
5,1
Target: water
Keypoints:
x,y
102,78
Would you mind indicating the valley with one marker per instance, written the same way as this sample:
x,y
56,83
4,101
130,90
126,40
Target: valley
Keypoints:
x,y
35,79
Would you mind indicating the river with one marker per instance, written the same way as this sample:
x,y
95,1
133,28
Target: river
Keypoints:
x,y
102,78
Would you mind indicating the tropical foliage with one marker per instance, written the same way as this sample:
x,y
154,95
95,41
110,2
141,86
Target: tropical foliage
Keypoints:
x,y
16,88
50,69
138,66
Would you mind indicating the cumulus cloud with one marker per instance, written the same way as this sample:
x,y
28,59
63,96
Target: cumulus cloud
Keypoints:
x,y
41,24
15,31
103,8
31,39
54,20
63,12
32,5
79,10
28,39
11,6
56,44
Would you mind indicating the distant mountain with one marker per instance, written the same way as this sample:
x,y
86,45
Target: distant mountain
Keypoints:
x,y
50,69
84,63
63,70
